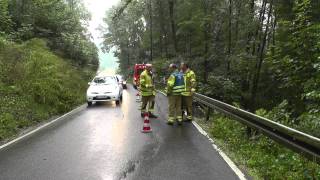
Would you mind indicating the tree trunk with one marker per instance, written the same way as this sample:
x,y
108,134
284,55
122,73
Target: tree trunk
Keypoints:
x,y
163,33
151,33
237,22
173,25
260,60
161,24
206,43
259,27
274,35
250,32
190,44
229,37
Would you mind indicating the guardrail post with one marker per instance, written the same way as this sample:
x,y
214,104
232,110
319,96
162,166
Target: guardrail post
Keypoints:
x,y
208,114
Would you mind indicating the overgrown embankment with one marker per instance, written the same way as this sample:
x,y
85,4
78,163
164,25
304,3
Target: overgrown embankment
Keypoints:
x,y
36,84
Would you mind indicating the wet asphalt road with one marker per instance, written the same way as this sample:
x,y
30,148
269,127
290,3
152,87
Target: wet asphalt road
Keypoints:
x,y
105,142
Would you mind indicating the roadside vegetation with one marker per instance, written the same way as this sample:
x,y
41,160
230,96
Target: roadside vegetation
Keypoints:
x,y
46,60
259,156
262,55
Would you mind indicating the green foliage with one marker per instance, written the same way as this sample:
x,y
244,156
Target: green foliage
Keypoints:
x,y
309,123
63,23
297,55
265,158
36,84
46,60
8,125
6,23
220,88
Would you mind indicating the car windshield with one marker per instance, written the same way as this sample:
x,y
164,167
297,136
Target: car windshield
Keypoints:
x,y
104,80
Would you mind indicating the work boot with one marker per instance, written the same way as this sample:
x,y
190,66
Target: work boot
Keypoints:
x,y
179,123
189,119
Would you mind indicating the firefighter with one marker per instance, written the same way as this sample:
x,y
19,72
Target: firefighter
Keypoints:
x,y
147,92
175,85
190,88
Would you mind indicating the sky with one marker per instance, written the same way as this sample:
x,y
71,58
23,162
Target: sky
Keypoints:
x,y
98,9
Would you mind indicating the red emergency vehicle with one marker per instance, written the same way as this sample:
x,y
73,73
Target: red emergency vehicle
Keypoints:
x,y
138,68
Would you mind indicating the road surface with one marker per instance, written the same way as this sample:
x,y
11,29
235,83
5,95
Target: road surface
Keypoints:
x,y
105,142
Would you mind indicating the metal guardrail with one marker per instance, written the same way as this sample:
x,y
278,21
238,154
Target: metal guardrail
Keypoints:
x,y
306,145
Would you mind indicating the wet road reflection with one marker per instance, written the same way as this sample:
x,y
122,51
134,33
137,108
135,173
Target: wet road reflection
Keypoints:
x,y
105,142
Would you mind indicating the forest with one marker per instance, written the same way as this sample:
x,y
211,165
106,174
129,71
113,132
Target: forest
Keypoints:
x,y
46,59
257,54
260,55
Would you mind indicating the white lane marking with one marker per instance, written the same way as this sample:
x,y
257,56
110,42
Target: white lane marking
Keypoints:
x,y
236,170
39,128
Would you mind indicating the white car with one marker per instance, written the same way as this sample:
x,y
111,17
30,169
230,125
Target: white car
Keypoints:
x,y
104,88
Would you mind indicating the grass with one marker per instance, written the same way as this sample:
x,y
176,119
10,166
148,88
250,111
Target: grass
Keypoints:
x,y
260,157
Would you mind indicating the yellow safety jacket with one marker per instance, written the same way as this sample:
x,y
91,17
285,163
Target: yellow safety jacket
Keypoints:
x,y
146,84
175,84
190,83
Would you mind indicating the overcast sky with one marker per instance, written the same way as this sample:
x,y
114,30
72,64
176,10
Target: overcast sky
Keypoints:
x,y
98,10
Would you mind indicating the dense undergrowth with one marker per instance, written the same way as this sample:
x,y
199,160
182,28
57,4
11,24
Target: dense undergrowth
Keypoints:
x,y
260,156
36,84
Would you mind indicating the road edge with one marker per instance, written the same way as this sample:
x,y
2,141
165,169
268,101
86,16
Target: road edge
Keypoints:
x,y
23,136
230,163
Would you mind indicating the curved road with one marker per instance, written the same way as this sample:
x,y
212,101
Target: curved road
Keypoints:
x,y
105,142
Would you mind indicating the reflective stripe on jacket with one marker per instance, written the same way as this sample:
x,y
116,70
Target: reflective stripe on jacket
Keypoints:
x,y
190,82
175,84
146,84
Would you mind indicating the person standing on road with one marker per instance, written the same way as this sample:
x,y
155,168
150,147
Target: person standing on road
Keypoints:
x,y
190,88
175,85
147,92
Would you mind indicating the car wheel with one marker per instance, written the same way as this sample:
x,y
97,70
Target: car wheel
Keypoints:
x,y
89,104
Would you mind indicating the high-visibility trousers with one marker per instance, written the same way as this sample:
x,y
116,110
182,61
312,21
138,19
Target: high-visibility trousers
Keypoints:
x,y
175,112
187,105
147,104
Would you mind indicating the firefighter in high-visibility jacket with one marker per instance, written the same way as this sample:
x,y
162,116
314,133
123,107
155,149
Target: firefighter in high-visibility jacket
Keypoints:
x,y
190,88
147,91
175,86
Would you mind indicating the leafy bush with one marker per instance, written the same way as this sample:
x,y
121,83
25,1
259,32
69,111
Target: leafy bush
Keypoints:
x,y
220,88
308,122
8,125
36,84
